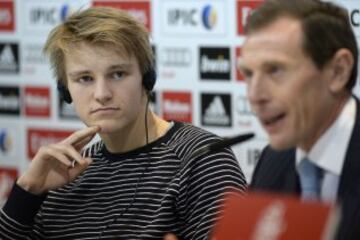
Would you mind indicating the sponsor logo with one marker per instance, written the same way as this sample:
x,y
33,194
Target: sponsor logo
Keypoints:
x,y
245,118
243,106
7,179
355,20
215,63
190,16
177,106
355,17
209,17
37,101
182,16
252,156
49,15
244,8
175,57
196,17
138,9
216,110
9,58
37,138
239,76
7,17
6,141
9,100
33,54
42,16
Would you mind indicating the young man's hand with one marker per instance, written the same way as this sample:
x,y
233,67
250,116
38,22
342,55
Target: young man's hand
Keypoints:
x,y
170,236
57,164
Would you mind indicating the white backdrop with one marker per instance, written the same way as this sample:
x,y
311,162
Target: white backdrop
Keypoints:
x,y
196,43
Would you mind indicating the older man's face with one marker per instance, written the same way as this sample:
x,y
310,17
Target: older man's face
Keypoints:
x,y
287,92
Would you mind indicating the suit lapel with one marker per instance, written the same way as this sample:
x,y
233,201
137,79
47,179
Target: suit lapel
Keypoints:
x,y
350,176
349,186
276,172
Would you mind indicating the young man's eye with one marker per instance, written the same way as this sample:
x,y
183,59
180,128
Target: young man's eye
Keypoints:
x,y
85,79
117,75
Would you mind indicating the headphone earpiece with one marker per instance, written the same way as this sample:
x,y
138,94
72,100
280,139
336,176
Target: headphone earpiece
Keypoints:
x,y
63,92
149,79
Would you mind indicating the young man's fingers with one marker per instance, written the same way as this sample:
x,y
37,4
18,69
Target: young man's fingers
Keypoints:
x,y
58,156
81,134
70,152
79,145
170,236
79,168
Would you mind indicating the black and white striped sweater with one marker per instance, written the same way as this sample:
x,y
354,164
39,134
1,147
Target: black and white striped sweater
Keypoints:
x,y
141,194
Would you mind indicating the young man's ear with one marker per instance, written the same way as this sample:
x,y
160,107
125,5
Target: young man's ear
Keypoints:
x,y
340,68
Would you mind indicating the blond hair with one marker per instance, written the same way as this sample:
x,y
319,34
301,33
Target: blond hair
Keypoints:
x,y
99,26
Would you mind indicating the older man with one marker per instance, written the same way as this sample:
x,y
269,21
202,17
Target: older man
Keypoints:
x,y
299,61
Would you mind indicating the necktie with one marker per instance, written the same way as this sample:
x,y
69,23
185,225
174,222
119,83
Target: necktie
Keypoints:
x,y
310,180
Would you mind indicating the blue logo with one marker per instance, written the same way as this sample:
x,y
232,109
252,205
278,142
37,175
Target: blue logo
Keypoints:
x,y
65,11
209,17
5,141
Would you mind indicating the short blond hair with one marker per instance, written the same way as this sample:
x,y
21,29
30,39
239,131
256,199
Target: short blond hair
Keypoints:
x,y
99,26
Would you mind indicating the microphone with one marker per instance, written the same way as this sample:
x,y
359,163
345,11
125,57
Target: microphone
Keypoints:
x,y
226,142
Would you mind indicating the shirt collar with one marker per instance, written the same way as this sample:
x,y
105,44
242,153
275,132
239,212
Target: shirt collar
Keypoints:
x,y
330,150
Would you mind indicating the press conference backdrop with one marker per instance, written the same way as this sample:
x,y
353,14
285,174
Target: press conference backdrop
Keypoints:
x,y
196,44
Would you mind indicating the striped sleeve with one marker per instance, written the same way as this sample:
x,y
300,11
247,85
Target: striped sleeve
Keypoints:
x,y
204,182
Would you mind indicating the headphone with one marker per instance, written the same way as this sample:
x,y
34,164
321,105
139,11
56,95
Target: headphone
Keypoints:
x,y
148,81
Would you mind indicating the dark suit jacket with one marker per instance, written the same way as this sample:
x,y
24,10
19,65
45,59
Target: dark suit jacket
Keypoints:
x,y
275,172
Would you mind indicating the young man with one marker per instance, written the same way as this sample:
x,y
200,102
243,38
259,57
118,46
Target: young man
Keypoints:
x,y
141,180
300,64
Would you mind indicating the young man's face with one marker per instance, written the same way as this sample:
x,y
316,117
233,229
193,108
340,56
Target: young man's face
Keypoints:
x,y
287,92
105,86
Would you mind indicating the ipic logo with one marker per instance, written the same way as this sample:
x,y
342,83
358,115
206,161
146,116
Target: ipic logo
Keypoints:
x,y
6,141
9,58
52,15
65,11
193,16
215,63
209,17
182,16
216,110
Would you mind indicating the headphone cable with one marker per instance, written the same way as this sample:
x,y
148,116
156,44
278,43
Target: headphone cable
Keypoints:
x,y
142,174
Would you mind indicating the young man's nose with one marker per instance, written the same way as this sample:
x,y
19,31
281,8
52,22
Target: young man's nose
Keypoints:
x,y
102,91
